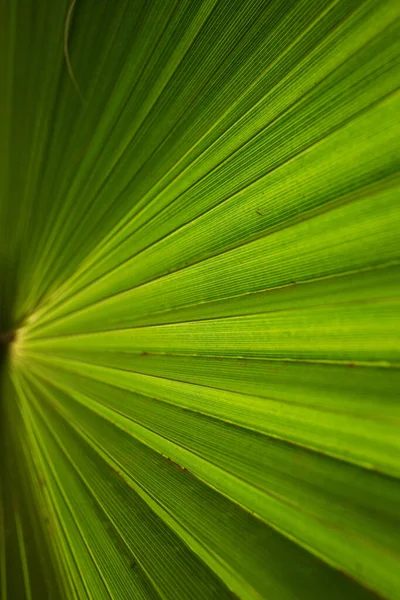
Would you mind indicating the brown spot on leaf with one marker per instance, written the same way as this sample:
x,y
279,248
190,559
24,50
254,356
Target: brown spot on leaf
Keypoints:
x,y
177,466
7,337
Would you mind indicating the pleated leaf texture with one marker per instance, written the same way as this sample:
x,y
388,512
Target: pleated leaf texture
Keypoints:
x,y
199,296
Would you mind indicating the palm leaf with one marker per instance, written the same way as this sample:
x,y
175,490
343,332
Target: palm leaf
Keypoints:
x,y
199,294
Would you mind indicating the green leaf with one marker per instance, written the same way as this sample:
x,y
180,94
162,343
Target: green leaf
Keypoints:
x,y
199,299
